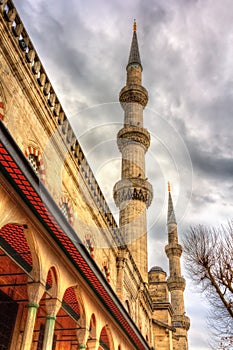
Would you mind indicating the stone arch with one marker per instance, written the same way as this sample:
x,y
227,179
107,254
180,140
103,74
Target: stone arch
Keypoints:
x,y
52,282
72,317
17,228
128,307
18,240
14,241
83,316
16,262
92,327
106,339
34,156
71,300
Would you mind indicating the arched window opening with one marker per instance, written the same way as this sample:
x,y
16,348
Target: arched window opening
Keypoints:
x,y
127,306
92,327
89,245
104,341
33,160
34,157
106,271
66,209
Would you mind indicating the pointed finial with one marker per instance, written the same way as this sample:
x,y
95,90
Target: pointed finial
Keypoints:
x,y
168,187
171,219
134,25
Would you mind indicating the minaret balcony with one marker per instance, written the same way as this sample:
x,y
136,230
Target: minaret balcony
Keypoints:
x,y
173,249
133,93
176,283
132,133
133,189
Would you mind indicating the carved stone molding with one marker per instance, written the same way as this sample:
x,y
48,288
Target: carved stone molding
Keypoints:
x,y
131,133
176,283
133,93
133,189
174,249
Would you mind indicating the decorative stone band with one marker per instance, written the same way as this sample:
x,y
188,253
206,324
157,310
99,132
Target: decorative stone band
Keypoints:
x,y
182,320
33,304
133,93
131,133
173,249
176,283
133,189
36,152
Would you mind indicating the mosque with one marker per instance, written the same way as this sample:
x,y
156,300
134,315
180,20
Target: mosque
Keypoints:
x,y
60,289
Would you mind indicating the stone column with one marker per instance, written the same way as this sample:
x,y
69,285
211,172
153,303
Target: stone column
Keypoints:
x,y
82,336
35,293
52,307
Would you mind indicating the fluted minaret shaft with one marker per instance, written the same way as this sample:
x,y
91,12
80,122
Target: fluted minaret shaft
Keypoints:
x,y
176,283
133,193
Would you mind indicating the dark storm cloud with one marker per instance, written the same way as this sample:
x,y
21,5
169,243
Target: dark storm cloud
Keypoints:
x,y
209,157
211,165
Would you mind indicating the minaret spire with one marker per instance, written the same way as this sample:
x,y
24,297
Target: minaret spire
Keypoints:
x,y
134,55
171,219
133,193
176,283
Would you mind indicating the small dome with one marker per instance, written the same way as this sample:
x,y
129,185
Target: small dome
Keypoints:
x,y
156,268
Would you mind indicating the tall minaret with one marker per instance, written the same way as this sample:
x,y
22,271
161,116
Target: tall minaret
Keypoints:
x,y
133,193
176,283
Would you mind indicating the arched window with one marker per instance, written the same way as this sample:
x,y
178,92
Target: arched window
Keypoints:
x,y
33,160
127,306
34,157
106,271
89,245
66,209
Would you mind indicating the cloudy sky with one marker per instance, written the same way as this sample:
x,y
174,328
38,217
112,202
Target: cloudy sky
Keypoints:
x,y
186,50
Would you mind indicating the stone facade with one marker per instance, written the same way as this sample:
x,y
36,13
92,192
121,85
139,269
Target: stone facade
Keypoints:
x,y
57,302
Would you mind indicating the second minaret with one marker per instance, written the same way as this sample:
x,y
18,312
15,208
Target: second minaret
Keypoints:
x,y
133,193
176,283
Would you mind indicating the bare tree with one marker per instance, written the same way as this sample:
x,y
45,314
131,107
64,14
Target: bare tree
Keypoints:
x,y
208,254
